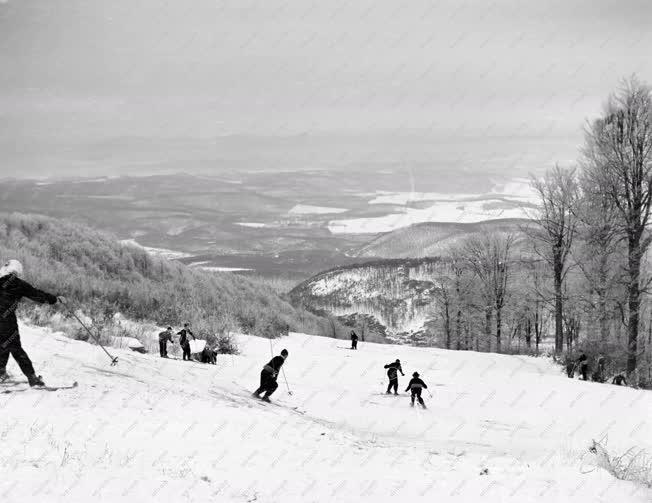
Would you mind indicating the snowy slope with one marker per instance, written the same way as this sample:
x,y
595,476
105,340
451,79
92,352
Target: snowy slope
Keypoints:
x,y
171,431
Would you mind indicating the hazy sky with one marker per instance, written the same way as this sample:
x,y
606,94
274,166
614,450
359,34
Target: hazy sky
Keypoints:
x,y
500,81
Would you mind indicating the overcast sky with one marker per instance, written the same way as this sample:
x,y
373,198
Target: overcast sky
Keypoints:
x,y
511,79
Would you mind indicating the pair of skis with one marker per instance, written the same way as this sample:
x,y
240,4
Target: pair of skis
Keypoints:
x,y
9,386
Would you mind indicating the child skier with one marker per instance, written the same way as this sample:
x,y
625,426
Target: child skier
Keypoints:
x,y
268,376
416,385
392,374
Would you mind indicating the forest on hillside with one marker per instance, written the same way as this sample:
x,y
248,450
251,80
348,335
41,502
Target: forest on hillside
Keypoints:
x,y
583,274
103,277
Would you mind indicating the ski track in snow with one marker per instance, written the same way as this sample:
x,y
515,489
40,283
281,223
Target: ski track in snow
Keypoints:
x,y
161,430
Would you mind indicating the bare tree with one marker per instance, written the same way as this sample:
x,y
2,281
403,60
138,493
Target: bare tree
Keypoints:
x,y
489,257
619,151
554,231
599,255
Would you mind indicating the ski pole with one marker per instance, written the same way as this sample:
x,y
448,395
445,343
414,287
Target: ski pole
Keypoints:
x,y
286,381
114,359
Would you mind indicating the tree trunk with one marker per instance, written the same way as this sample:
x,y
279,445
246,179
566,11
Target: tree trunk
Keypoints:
x,y
447,325
559,310
458,329
634,303
499,329
528,333
487,327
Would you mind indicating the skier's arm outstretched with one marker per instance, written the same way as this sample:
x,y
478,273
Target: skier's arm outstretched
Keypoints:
x,y
401,370
24,289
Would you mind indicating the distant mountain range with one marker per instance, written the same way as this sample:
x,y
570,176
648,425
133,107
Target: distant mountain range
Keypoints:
x,y
292,224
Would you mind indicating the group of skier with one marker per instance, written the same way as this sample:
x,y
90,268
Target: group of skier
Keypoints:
x,y
582,364
208,355
13,289
415,386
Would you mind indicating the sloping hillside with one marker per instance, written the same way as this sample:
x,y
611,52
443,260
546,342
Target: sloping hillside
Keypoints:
x,y
102,275
398,293
430,239
498,429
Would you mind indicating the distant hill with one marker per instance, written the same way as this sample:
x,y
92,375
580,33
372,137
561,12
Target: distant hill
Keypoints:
x,y
430,239
103,276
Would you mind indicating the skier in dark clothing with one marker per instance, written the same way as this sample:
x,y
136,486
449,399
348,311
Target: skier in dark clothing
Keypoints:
x,y
354,340
163,339
393,368
269,375
209,355
619,380
415,386
12,290
184,340
583,363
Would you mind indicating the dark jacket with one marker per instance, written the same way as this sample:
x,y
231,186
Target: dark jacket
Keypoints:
x,y
417,383
354,336
274,365
165,336
12,290
183,336
393,368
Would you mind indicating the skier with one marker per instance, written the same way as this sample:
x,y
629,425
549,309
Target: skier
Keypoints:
x,y
209,355
163,339
12,290
393,376
269,375
354,340
619,380
583,362
598,375
184,341
416,385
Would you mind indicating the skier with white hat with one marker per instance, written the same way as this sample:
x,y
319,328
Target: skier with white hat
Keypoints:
x,y
12,290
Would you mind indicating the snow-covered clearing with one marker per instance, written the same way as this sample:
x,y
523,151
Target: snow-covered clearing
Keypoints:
x,y
173,431
466,212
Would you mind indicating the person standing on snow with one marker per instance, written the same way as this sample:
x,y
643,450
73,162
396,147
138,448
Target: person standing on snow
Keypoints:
x,y
393,368
163,339
416,385
583,363
12,290
268,376
184,340
354,340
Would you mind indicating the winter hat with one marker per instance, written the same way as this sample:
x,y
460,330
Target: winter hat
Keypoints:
x,y
416,374
397,361
11,267
284,353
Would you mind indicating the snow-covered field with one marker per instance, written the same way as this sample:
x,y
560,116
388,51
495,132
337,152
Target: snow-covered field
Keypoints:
x,y
507,200
307,209
498,428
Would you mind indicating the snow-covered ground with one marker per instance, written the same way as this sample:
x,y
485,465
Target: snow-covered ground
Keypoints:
x,y
172,431
506,200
